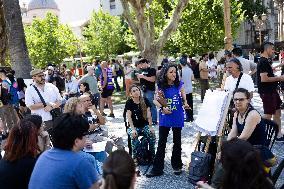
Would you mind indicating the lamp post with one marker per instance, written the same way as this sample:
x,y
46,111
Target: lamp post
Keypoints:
x,y
259,23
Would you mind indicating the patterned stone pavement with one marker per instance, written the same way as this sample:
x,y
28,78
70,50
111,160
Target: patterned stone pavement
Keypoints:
x,y
169,180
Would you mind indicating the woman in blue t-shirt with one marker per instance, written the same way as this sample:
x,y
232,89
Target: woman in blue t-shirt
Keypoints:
x,y
171,116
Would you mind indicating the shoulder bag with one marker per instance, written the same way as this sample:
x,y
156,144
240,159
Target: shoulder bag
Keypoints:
x,y
55,112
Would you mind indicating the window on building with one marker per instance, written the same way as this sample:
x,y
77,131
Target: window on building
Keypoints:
x,y
112,4
34,16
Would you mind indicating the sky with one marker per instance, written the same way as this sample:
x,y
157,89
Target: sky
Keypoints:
x,y
74,10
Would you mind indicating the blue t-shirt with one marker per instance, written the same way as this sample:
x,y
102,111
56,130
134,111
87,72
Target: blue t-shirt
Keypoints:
x,y
63,169
176,118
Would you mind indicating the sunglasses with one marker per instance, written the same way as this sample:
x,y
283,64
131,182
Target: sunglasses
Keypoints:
x,y
239,99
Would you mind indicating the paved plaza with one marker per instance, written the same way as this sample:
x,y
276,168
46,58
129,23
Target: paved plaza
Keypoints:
x,y
169,180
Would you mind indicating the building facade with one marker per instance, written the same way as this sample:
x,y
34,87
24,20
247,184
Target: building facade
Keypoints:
x,y
38,9
113,7
252,33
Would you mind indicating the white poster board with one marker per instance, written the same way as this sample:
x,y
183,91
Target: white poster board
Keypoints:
x,y
212,112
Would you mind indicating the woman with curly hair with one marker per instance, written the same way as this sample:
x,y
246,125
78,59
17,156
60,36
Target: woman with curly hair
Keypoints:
x,y
171,116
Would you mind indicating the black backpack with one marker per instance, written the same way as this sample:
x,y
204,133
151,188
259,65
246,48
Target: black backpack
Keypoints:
x,y
60,83
144,156
196,71
5,95
199,168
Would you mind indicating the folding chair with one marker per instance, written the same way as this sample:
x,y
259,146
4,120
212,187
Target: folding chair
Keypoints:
x,y
126,127
278,172
271,130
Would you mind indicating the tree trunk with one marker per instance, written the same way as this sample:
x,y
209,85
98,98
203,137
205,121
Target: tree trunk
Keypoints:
x,y
16,39
227,25
3,36
143,27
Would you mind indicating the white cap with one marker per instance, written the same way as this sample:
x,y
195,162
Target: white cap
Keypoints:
x,y
50,68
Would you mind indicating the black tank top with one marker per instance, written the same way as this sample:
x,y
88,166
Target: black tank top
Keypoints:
x,y
258,135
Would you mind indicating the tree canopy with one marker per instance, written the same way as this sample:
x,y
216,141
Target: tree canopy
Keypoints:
x,y
104,36
49,41
201,28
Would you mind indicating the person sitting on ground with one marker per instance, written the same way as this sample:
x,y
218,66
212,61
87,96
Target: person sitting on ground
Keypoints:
x,y
247,122
119,171
140,120
64,166
21,151
242,167
43,136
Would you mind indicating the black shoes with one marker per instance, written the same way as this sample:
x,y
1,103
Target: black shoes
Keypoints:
x,y
177,171
111,115
154,174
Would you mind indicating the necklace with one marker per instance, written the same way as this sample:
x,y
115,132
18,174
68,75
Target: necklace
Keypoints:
x,y
243,114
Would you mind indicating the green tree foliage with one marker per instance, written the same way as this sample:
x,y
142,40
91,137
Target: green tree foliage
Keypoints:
x,y
202,27
105,35
252,7
49,41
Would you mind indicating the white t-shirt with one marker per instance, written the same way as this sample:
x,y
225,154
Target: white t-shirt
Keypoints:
x,y
186,75
49,94
245,82
247,65
212,64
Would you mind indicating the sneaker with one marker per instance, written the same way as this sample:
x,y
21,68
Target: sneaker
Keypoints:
x,y
111,115
177,171
103,114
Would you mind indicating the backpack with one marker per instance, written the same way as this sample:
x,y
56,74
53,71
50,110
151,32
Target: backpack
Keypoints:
x,y
196,71
199,168
143,153
60,83
5,95
13,91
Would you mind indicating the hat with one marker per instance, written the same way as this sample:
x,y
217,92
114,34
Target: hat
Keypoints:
x,y
35,72
50,68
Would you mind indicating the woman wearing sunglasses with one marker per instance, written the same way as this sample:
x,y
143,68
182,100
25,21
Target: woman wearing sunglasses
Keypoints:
x,y
247,122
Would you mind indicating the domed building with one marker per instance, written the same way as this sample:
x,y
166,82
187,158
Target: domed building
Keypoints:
x,y
38,9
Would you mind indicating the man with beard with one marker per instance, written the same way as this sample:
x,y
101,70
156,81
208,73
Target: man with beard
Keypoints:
x,y
49,93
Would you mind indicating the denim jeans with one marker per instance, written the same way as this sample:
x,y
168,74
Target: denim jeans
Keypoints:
x,y
150,96
145,131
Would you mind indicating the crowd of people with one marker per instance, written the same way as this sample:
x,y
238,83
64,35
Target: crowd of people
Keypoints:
x,y
49,128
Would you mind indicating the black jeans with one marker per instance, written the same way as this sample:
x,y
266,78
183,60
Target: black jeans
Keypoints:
x,y
116,83
204,85
189,112
176,162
